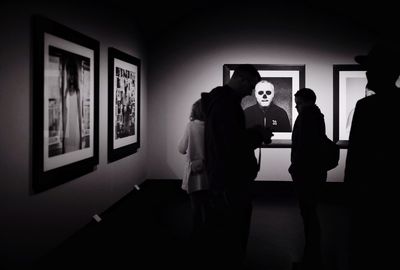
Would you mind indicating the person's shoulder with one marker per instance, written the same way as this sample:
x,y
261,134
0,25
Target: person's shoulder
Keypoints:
x,y
225,94
252,108
277,107
222,87
216,92
196,123
368,101
219,89
311,112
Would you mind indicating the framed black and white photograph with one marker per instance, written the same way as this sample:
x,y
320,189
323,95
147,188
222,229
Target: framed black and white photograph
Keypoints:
x,y
349,85
65,103
123,104
272,102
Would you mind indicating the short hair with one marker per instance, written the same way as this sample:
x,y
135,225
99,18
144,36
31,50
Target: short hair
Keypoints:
x,y
307,94
247,71
197,111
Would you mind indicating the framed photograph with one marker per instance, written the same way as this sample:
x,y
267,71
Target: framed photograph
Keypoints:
x,y
349,85
65,104
123,104
272,102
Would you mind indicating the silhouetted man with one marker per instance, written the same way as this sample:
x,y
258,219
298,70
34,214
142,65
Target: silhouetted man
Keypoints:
x,y
231,166
371,164
308,172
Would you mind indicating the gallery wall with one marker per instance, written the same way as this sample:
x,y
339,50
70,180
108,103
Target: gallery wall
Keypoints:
x,y
189,59
31,224
177,66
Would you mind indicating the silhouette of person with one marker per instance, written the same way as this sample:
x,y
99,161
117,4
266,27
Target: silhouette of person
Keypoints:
x,y
370,163
265,112
308,172
231,166
194,180
368,92
72,108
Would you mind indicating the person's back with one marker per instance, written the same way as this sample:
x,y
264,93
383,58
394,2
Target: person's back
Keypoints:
x,y
307,140
192,145
372,143
230,155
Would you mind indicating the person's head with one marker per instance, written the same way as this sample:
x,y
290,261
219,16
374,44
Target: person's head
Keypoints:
x,y
382,64
264,93
71,75
303,98
244,79
197,111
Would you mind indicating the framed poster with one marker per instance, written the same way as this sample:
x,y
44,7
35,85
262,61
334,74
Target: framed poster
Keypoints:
x,y
65,104
272,102
123,104
349,85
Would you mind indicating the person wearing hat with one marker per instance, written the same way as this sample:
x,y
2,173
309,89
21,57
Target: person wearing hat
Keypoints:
x,y
370,163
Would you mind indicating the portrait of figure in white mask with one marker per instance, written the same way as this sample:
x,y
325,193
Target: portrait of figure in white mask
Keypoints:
x,y
264,93
266,112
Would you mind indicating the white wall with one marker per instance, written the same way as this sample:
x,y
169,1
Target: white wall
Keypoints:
x,y
33,224
189,59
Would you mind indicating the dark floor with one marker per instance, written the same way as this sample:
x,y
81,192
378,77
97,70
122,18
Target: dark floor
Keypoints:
x,y
149,228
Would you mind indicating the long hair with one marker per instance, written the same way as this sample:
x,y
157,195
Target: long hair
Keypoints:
x,y
197,111
72,75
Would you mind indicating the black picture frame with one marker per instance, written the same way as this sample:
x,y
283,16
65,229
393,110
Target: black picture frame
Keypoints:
x,y
287,80
349,85
123,104
65,104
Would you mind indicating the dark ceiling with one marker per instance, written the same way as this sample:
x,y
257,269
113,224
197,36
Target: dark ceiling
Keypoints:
x,y
155,17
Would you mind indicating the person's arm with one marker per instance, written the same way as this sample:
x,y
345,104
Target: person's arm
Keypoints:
x,y
184,142
258,134
235,143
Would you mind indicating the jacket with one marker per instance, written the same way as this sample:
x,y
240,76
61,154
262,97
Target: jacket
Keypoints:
x,y
192,145
229,146
275,117
307,142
